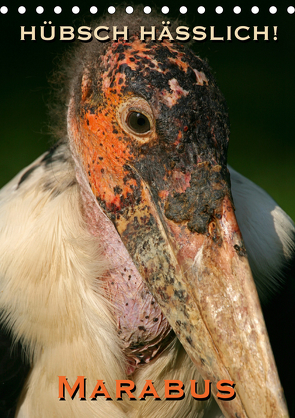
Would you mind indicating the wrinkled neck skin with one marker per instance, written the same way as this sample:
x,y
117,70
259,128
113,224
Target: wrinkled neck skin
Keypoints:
x,y
142,327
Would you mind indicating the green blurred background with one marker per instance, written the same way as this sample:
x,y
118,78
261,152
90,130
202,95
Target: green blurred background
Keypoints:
x,y
256,78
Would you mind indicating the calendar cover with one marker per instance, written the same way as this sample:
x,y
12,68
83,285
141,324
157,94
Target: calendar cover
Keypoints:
x,y
147,174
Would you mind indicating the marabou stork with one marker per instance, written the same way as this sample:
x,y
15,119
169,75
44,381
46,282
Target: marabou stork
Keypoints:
x,y
120,253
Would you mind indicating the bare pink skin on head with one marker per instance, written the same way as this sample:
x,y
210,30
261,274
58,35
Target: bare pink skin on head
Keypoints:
x,y
142,327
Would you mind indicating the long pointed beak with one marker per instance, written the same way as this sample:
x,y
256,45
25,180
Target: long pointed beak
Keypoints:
x,y
177,222
204,285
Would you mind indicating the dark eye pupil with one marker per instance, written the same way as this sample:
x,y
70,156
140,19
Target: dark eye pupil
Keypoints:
x,y
138,122
141,121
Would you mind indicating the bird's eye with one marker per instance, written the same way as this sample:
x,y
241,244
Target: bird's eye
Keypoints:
x,y
138,122
136,118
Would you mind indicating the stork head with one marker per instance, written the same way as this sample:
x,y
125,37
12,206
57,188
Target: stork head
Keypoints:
x,y
148,127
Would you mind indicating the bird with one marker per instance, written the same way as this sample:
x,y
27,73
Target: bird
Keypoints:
x,y
121,249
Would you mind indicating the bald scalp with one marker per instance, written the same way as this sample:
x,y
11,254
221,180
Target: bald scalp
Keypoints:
x,y
83,57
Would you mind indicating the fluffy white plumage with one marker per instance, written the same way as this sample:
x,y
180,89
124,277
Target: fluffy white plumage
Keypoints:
x,y
52,302
50,292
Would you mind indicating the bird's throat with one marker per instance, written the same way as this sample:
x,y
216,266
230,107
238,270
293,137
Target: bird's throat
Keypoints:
x,y
142,328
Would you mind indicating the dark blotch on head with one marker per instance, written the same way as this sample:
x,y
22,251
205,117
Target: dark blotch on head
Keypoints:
x,y
197,205
118,190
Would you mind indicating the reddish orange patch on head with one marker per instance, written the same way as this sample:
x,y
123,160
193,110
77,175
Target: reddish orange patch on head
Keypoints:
x,y
105,148
105,152
158,82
